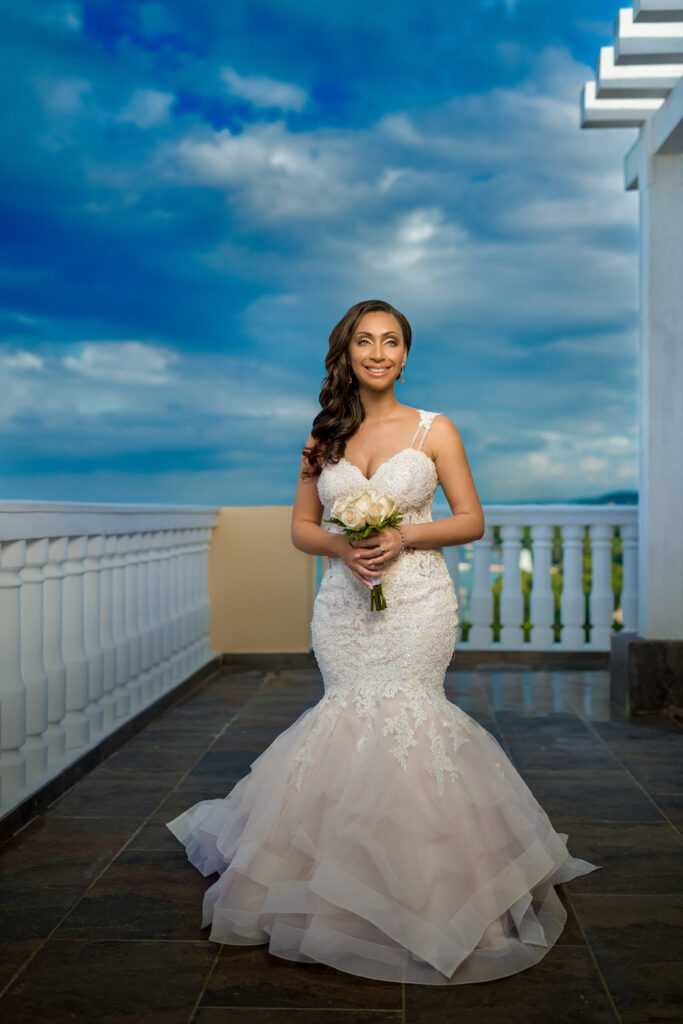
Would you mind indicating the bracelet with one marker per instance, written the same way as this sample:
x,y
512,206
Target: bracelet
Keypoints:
x,y
403,540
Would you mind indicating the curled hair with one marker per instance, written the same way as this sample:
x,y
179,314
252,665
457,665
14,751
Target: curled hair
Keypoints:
x,y
341,410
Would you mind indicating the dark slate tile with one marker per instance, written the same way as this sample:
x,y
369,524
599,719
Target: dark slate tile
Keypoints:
x,y
108,981
560,753
634,857
564,987
260,1015
251,976
590,795
144,894
104,793
671,806
657,776
636,941
25,922
53,852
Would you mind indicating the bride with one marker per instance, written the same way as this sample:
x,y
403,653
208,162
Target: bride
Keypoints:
x,y
385,832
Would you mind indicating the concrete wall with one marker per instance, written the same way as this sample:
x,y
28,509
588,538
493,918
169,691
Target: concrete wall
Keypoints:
x,y
260,587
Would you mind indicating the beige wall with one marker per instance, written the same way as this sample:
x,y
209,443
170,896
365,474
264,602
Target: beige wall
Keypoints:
x,y
260,587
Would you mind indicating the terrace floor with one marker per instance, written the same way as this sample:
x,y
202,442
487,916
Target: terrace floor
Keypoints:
x,y
100,910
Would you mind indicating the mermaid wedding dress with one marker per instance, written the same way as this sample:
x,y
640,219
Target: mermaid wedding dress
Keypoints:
x,y
385,832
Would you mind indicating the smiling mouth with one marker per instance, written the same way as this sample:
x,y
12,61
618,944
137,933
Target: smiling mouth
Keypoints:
x,y
378,371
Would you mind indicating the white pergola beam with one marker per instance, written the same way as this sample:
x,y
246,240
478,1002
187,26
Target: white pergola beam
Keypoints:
x,y
648,42
657,10
617,113
626,81
667,125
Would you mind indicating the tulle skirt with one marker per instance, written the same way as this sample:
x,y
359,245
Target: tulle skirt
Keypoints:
x,y
365,864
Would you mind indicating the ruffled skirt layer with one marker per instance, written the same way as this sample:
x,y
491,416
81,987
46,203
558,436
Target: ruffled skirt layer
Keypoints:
x,y
385,866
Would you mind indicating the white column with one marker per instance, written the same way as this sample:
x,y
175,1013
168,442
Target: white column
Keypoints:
x,y
629,589
480,634
167,605
52,646
542,608
12,691
511,598
33,672
92,633
76,725
601,597
660,523
573,599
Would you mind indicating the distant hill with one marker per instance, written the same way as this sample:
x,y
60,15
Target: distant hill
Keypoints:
x,y
613,498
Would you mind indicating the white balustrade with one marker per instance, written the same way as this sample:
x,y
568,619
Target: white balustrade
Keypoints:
x,y
475,587
103,608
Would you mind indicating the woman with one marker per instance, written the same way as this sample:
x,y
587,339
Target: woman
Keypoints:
x,y
385,832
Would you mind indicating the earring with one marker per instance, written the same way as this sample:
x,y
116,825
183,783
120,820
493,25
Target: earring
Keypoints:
x,y
402,368
350,381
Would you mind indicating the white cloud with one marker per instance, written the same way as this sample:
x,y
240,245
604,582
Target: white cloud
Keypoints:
x,y
147,108
263,91
63,95
131,361
21,360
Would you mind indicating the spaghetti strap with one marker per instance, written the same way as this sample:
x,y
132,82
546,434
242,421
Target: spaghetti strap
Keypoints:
x,y
426,420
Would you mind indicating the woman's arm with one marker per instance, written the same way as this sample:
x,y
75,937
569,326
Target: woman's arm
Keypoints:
x,y
308,535
467,521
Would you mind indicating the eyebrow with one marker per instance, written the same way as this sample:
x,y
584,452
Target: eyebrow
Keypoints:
x,y
385,335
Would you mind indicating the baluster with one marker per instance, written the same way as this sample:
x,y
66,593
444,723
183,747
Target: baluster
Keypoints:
x,y
573,601
33,672
511,598
205,603
601,596
181,594
166,605
146,677
480,635
132,622
629,589
155,623
55,669
174,590
121,693
542,600
92,626
107,641
12,691
75,721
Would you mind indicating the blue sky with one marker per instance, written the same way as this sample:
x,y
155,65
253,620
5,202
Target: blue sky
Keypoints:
x,y
193,193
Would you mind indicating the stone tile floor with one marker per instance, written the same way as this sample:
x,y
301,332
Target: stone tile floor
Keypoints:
x,y
100,910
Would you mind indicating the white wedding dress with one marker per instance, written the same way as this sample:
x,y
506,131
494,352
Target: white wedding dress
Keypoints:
x,y
385,832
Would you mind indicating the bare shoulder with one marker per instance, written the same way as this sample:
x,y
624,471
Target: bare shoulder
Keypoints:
x,y
444,437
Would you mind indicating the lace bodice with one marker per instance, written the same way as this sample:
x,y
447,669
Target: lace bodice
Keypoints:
x,y
389,666
409,476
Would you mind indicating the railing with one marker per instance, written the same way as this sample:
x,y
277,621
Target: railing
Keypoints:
x,y
579,562
103,608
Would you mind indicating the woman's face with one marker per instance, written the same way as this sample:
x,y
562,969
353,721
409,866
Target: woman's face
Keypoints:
x,y
377,351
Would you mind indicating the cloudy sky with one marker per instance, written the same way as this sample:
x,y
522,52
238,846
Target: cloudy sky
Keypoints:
x,y
193,192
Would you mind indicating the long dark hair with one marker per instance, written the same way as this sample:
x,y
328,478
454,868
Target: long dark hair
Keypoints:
x,y
342,411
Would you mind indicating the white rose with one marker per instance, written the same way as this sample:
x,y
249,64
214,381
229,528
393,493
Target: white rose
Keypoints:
x,y
374,514
363,501
352,517
387,504
338,507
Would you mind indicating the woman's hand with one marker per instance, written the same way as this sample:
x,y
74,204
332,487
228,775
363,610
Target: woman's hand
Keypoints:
x,y
367,558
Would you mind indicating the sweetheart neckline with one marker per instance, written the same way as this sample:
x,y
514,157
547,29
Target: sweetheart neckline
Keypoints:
x,y
418,451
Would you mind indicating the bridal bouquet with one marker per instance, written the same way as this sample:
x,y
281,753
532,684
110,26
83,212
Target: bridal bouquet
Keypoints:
x,y
362,514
